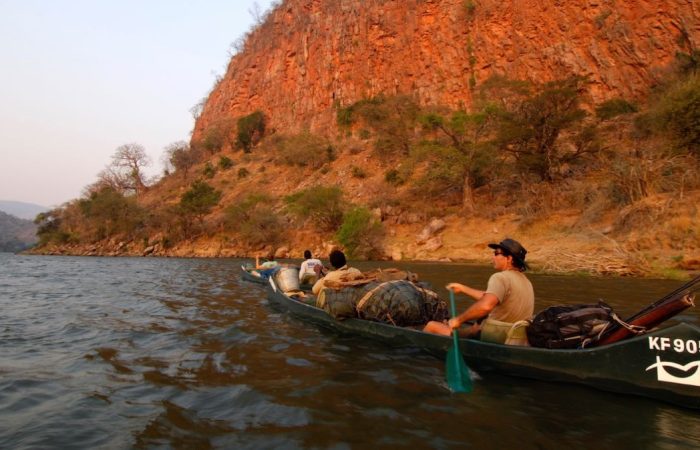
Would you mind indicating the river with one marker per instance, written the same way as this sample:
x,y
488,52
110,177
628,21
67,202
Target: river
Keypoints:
x,y
180,353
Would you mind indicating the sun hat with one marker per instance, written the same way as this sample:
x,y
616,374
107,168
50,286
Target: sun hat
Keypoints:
x,y
513,248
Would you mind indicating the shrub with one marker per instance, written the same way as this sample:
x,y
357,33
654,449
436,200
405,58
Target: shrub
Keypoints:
x,y
107,212
243,172
251,129
358,172
323,205
361,234
678,114
225,163
209,170
304,149
613,108
199,200
255,221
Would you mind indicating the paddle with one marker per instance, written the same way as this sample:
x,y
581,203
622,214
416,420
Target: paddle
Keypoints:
x,y
458,377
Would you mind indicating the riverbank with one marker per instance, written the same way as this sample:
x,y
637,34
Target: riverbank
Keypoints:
x,y
553,247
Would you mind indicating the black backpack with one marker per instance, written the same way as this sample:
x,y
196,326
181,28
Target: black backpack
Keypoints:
x,y
575,326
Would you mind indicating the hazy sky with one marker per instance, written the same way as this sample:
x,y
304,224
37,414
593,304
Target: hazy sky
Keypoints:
x,y
79,78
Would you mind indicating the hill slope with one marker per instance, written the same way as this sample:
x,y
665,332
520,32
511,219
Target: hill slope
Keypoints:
x,y
16,234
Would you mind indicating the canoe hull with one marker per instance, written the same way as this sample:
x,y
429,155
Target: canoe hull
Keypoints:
x,y
663,365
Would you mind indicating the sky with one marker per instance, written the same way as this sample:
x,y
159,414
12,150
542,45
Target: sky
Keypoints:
x,y
79,78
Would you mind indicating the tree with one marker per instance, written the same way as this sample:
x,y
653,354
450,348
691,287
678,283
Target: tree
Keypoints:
x,y
199,200
323,205
466,152
361,234
181,157
125,172
251,129
393,120
107,212
532,128
255,221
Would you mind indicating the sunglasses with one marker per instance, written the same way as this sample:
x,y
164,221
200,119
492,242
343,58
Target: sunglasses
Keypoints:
x,y
498,252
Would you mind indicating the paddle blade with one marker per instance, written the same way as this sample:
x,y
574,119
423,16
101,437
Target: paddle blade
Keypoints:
x,y
458,377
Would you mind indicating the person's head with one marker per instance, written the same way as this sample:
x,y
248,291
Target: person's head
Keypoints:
x,y
337,259
509,252
307,254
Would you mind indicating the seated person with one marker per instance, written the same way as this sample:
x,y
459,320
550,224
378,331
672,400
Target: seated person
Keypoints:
x,y
508,298
307,272
267,268
339,263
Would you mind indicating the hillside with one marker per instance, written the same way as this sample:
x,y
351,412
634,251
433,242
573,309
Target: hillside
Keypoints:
x,y
23,210
16,234
424,130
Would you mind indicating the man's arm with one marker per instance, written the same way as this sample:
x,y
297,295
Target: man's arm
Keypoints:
x,y
480,309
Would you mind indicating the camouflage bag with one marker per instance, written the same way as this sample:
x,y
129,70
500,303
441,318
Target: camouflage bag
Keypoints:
x,y
401,303
341,303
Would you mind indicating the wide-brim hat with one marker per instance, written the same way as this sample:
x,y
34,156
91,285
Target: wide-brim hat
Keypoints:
x,y
514,249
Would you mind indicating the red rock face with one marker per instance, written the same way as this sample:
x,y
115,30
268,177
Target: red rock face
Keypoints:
x,y
311,56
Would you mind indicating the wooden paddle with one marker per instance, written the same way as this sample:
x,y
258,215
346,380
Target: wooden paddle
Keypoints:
x,y
458,377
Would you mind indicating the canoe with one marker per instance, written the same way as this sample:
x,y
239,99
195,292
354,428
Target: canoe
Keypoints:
x,y
663,365
247,274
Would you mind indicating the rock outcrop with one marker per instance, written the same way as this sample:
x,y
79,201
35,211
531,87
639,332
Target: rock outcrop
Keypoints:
x,y
311,56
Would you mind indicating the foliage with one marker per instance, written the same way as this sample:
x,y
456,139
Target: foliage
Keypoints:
x,y
225,163
392,119
613,108
49,228
460,158
358,172
242,173
531,130
251,129
255,221
209,170
217,136
107,212
304,149
676,113
361,234
323,205
181,157
199,200
443,171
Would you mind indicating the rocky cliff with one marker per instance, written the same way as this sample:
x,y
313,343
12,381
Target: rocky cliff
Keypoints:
x,y
310,56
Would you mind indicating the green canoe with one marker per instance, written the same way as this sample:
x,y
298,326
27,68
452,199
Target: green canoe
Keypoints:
x,y
664,364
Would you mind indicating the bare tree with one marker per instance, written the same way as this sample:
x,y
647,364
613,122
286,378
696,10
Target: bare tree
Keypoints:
x,y
126,167
257,14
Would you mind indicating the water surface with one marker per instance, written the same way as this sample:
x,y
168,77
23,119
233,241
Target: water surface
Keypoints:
x,y
179,353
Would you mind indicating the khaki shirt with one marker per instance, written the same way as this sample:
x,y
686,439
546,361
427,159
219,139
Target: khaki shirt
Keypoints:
x,y
516,297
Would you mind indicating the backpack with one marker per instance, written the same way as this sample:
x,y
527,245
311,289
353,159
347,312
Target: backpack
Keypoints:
x,y
570,326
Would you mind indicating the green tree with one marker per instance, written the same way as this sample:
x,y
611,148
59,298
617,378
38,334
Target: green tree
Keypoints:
x,y
361,234
251,129
462,155
392,119
531,130
108,212
199,200
322,205
255,221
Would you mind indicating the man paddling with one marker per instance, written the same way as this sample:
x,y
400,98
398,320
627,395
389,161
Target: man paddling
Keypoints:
x,y
508,298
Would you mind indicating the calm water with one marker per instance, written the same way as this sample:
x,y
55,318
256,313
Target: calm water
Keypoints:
x,y
179,353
